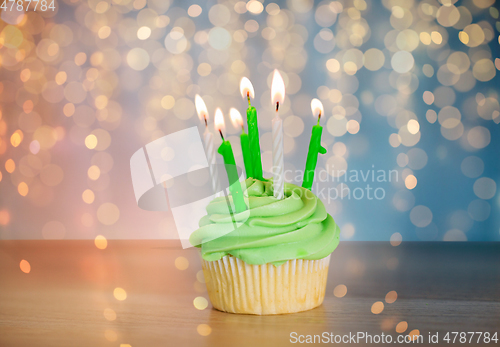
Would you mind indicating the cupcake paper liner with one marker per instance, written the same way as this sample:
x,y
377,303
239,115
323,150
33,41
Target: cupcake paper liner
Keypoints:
x,y
237,287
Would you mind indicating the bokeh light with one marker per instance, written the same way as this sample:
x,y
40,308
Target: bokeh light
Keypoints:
x,y
377,307
340,291
110,335
409,86
200,303
401,327
414,334
396,239
109,314
181,263
100,242
391,297
108,213
25,266
119,294
204,329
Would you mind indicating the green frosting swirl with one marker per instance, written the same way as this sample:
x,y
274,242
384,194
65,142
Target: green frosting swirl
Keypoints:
x,y
271,230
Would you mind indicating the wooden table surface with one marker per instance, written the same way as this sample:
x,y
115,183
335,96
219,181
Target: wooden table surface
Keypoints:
x,y
62,301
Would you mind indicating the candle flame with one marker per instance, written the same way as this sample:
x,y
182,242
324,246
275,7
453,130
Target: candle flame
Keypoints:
x,y
277,89
236,119
219,120
246,87
201,108
317,108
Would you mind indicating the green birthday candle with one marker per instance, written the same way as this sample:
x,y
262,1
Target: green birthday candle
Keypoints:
x,y
247,91
245,144
314,146
226,151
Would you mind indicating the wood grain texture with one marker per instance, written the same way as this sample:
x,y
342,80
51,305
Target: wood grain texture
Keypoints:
x,y
61,302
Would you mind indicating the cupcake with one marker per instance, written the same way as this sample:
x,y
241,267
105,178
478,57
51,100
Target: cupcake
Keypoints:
x,y
276,260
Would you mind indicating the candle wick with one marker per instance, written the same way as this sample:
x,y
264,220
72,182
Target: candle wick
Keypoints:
x,y
242,128
248,98
277,105
319,116
222,136
206,123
